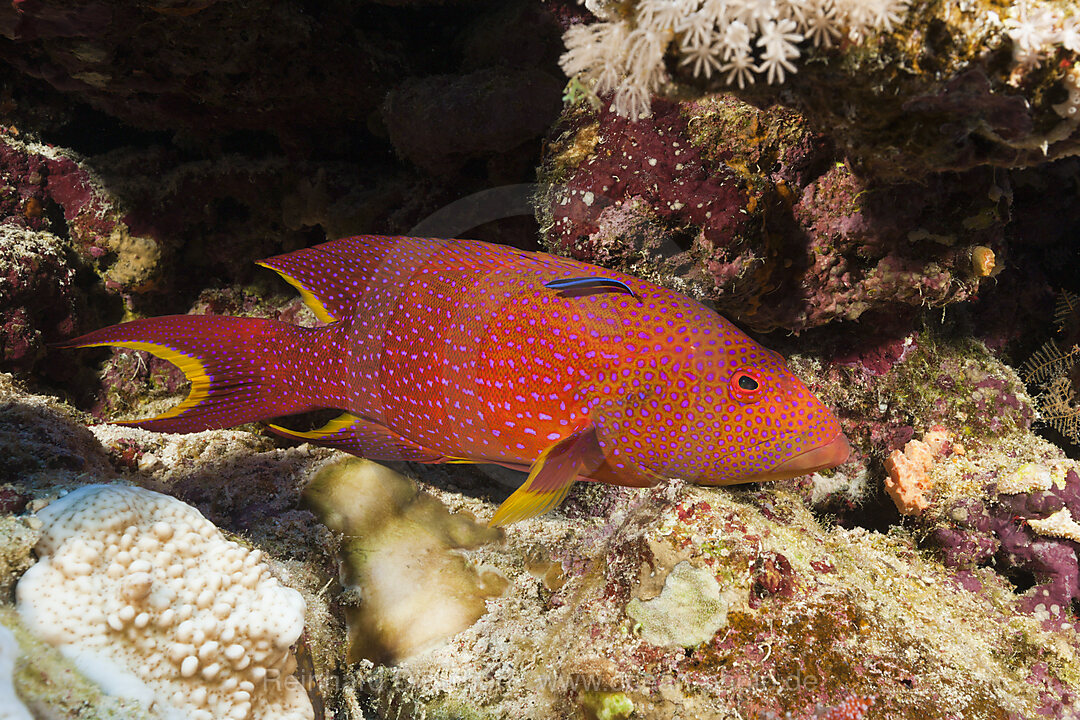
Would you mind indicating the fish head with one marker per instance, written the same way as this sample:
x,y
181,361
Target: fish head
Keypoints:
x,y
721,410
759,419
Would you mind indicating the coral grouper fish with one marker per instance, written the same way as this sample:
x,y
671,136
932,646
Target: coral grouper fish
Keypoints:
x,y
461,351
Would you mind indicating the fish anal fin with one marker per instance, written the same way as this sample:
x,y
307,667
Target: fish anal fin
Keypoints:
x,y
358,436
551,477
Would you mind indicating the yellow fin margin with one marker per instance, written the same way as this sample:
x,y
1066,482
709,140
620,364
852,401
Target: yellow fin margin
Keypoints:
x,y
192,368
525,502
306,295
336,425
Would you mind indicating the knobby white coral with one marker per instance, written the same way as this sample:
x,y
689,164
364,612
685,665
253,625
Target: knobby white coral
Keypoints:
x,y
737,39
149,600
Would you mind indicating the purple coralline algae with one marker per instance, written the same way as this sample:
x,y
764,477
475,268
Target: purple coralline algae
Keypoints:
x,y
47,189
1018,534
40,304
754,211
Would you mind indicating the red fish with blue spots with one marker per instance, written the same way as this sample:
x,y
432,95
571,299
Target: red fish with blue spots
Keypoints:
x,y
461,351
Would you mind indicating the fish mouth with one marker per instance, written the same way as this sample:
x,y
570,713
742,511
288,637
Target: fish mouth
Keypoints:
x,y
833,453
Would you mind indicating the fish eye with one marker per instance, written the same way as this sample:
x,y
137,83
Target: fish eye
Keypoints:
x,y
745,385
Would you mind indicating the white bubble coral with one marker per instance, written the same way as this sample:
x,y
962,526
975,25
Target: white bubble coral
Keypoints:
x,y
150,601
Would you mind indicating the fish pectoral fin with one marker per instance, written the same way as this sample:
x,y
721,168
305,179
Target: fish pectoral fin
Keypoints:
x,y
551,477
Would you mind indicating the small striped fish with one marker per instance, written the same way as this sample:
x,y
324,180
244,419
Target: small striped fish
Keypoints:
x,y
461,351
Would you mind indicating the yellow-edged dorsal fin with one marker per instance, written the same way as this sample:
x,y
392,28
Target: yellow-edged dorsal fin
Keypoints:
x,y
306,295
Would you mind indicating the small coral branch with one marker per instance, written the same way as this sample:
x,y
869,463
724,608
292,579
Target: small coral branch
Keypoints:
x,y
1052,370
1048,362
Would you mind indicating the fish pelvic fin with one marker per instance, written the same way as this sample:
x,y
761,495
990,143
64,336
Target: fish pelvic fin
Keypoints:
x,y
241,369
363,438
551,477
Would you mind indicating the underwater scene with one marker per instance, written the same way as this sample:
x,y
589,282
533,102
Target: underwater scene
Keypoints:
x,y
539,359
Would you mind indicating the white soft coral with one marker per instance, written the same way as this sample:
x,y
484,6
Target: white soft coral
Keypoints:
x,y
1033,32
779,43
625,53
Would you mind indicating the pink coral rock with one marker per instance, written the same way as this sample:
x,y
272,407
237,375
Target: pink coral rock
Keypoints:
x,y
853,708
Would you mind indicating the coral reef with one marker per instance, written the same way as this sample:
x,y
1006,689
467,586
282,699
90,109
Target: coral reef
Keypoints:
x,y
754,211
150,151
400,557
911,641
150,601
1026,529
934,386
833,615
935,86
39,304
981,487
